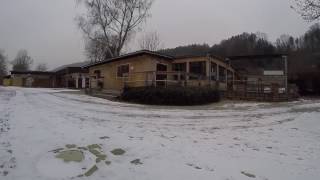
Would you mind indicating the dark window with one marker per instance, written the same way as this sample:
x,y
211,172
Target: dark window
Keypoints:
x,y
181,67
222,74
162,67
230,76
198,68
123,70
97,73
213,71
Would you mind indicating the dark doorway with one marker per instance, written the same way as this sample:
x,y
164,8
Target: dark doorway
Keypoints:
x,y
80,83
161,78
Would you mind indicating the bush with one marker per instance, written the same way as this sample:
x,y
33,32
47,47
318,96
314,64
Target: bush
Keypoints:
x,y
171,95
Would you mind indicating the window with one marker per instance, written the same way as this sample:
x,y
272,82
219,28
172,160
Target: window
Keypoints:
x,y
97,74
123,70
180,67
222,74
213,71
230,76
198,68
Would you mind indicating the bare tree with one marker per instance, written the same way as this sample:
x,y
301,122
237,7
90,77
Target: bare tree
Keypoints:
x,y
308,9
22,62
150,41
110,22
3,64
96,51
42,67
285,43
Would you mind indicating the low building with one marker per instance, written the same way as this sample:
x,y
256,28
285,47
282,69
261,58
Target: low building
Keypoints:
x,y
72,76
262,77
6,81
147,68
31,79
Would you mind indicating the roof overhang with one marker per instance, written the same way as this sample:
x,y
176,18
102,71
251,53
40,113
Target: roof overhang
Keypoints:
x,y
256,56
32,72
130,55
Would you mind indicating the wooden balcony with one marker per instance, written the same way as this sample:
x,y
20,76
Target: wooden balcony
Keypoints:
x,y
164,79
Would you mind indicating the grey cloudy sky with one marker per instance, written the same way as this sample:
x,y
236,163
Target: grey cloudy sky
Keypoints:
x,y
46,28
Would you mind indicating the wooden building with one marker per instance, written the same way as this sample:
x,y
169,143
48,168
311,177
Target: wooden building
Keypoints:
x,y
31,79
147,68
71,76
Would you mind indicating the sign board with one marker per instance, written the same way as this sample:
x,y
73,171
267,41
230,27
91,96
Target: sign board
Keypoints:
x,y
273,73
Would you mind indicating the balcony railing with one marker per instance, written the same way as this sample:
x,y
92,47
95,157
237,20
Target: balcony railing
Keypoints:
x,y
167,78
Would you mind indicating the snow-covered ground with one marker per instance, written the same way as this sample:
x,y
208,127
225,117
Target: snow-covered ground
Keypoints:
x,y
225,141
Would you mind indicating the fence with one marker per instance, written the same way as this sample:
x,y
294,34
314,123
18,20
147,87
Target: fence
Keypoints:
x,y
261,91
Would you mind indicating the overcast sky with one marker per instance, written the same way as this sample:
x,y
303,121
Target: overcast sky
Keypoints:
x,y
46,28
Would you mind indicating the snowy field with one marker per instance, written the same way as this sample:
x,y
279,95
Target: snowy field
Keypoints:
x,y
226,141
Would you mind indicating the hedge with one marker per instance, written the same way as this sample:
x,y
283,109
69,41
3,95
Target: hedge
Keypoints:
x,y
181,96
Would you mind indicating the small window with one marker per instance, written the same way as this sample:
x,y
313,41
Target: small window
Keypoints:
x,y
222,74
198,68
181,67
123,70
213,71
97,74
230,76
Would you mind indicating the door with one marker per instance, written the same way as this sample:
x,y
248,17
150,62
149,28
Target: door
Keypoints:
x,y
161,78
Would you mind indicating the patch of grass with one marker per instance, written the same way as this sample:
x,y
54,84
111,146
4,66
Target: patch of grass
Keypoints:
x,y
118,152
70,146
94,146
95,152
57,150
83,148
248,174
71,156
101,157
136,162
105,137
91,171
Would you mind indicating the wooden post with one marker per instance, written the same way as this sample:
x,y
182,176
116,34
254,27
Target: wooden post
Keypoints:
x,y
218,78
146,80
208,74
154,79
286,72
188,72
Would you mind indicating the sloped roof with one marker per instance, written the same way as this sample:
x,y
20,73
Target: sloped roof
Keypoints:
x,y
200,56
256,56
73,65
125,56
32,72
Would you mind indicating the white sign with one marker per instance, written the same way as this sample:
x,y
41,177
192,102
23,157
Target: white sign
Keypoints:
x,y
273,73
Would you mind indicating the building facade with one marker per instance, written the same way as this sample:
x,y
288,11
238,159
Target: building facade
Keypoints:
x,y
146,68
